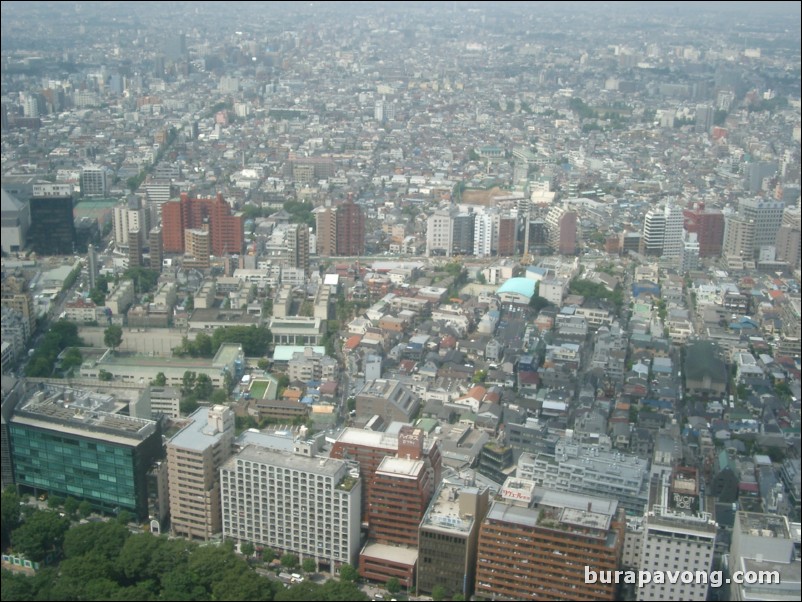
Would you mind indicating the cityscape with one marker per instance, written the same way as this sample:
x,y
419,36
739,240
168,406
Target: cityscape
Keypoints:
x,y
401,300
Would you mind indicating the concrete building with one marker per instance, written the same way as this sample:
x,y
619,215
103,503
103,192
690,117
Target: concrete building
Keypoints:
x,y
340,230
52,228
297,330
562,230
194,457
678,534
536,544
368,448
767,216
765,542
708,225
589,469
225,227
439,232
293,502
121,297
73,442
662,232
94,181
386,398
128,217
739,237
15,218
309,365
448,539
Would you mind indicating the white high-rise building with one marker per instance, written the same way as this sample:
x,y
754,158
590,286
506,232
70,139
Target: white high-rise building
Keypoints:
x,y
678,535
440,233
94,181
293,502
128,218
690,253
768,217
662,231
484,230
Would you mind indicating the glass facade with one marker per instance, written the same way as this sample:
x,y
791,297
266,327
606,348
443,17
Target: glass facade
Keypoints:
x,y
110,476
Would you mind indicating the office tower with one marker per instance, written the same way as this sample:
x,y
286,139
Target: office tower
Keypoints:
x,y
384,110
704,119
16,218
756,174
767,216
156,249
350,229
440,232
194,457
788,246
483,234
678,534
52,229
30,106
562,230
397,500
463,237
508,235
175,47
708,225
71,442
94,181
292,503
537,544
739,237
764,542
134,249
225,227
448,539
368,448
325,231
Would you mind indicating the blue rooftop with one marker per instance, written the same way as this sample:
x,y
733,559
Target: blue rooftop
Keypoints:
x,y
520,286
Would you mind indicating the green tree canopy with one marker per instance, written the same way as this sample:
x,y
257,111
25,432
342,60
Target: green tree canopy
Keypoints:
x,y
41,535
113,336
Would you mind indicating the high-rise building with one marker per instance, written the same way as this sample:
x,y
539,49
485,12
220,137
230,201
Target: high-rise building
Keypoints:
x,y
678,534
156,249
16,218
92,266
539,544
297,242
293,502
767,216
94,181
562,230
134,249
226,228
483,234
508,235
440,232
130,216
52,229
788,246
194,457
325,231
764,542
448,539
368,448
708,225
704,119
399,495
662,232
739,237
350,229
72,442
384,110
197,247
690,253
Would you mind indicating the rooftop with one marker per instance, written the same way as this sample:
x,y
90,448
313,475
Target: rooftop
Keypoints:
x,y
195,435
330,467
401,467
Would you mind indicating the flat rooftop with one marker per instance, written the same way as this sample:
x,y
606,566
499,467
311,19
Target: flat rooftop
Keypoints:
x,y
83,413
444,512
395,554
401,467
192,436
764,525
330,467
366,438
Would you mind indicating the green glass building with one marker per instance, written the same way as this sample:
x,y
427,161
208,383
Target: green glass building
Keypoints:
x,y
66,442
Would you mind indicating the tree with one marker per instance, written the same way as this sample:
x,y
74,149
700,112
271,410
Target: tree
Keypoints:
x,y
289,561
203,386
160,380
113,336
124,517
71,506
348,573
393,585
219,396
268,555
439,593
247,548
84,508
10,514
309,565
41,535
106,539
55,501
105,375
